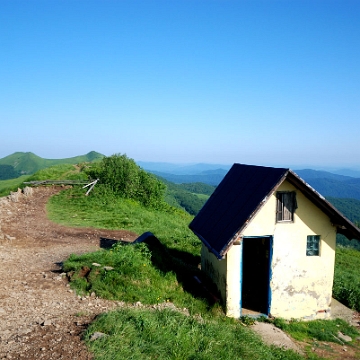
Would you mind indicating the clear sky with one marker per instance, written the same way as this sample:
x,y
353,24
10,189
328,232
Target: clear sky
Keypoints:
x,y
217,81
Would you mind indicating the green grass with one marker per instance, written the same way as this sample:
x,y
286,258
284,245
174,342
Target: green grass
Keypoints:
x,y
143,334
11,185
322,330
136,276
103,210
163,273
346,287
59,172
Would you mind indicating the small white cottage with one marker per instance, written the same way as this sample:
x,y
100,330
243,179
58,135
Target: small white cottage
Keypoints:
x,y
269,243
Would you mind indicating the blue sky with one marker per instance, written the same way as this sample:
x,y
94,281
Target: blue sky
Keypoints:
x,y
258,82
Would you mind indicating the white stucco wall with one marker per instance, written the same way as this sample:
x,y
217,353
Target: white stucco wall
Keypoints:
x,y
301,286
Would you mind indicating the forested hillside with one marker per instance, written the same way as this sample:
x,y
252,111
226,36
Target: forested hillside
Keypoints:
x,y
211,177
191,197
331,185
351,209
8,172
335,188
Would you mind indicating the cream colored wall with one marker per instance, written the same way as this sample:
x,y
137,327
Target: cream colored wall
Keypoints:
x,y
226,275
233,275
301,285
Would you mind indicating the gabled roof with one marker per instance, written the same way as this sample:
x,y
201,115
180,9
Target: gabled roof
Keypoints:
x,y
242,192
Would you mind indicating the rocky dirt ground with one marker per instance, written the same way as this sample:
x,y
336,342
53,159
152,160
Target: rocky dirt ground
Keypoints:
x,y
40,316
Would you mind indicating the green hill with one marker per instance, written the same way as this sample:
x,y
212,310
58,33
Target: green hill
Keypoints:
x,y
8,172
25,163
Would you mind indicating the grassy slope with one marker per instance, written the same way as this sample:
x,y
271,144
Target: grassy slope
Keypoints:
x,y
63,171
29,163
103,210
347,278
11,185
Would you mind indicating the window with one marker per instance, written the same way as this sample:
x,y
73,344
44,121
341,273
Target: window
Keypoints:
x,y
313,245
285,205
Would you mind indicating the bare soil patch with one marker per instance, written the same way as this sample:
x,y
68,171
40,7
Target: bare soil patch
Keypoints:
x,y
40,317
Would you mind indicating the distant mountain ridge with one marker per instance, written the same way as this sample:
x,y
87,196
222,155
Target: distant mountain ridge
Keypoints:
x,y
210,179
181,169
326,183
320,174
26,163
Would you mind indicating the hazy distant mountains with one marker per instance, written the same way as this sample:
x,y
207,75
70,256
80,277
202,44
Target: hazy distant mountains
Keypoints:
x,y
182,169
210,174
210,177
328,184
333,185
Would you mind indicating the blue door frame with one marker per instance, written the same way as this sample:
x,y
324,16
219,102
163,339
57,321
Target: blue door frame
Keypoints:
x,y
270,239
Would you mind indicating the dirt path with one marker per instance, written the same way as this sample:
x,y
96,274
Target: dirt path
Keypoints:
x,y
40,317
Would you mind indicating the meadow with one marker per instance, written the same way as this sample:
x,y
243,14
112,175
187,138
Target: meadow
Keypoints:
x,y
12,184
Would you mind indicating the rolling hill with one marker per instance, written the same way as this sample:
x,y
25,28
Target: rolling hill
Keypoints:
x,y
26,163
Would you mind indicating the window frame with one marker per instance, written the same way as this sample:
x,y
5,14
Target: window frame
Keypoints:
x,y
285,206
313,245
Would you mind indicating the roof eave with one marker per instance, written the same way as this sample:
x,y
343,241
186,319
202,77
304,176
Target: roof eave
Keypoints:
x,y
238,233
206,243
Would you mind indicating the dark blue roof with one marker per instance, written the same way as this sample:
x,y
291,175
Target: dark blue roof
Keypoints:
x,y
243,191
233,202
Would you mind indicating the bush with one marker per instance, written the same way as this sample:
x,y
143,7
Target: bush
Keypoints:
x,y
126,179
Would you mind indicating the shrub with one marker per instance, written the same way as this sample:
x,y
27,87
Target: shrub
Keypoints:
x,y
126,179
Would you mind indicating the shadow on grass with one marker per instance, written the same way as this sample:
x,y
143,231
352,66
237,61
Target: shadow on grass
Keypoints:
x,y
106,243
181,263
